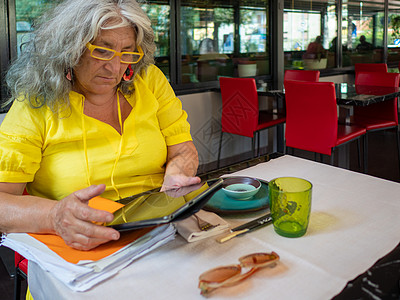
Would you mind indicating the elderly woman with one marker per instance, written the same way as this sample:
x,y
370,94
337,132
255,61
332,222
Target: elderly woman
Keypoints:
x,y
91,115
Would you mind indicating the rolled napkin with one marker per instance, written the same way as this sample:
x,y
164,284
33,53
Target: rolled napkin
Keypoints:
x,y
189,227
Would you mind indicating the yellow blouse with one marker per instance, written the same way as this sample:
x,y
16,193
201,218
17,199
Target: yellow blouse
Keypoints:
x,y
58,154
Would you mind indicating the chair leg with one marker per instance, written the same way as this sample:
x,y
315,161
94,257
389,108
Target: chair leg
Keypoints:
x,y
253,141
398,142
358,151
17,285
258,144
332,158
366,153
219,149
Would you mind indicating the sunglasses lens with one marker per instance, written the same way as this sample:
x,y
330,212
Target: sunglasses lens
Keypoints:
x,y
258,259
220,274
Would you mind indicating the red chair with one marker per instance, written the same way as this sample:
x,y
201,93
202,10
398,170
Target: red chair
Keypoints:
x,y
21,272
312,120
302,75
361,67
240,111
377,116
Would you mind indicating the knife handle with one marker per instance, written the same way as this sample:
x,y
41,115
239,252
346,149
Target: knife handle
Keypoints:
x,y
231,235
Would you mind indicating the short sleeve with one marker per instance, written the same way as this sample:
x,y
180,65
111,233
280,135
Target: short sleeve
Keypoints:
x,y
172,118
20,143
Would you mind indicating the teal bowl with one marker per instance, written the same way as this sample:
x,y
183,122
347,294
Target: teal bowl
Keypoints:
x,y
241,188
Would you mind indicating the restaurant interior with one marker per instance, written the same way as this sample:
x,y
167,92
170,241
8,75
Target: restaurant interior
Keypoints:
x,y
201,41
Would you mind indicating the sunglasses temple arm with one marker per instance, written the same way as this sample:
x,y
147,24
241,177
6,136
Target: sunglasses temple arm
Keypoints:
x,y
207,288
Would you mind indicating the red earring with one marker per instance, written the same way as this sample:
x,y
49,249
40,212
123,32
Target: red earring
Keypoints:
x,y
69,75
128,73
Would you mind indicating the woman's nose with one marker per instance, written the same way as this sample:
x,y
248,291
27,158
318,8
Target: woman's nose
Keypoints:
x,y
114,64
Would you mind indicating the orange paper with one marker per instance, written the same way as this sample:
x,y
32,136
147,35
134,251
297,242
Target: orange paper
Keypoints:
x,y
57,244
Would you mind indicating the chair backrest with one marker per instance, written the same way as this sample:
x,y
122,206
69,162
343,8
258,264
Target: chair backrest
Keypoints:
x,y
386,110
363,67
21,262
239,105
311,116
302,75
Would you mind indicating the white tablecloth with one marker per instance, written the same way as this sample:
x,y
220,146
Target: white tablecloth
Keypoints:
x,y
354,222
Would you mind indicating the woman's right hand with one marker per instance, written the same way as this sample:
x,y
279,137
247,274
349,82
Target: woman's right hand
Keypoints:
x,y
72,219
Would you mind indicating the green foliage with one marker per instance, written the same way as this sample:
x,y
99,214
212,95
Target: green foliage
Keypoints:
x,y
223,15
30,10
395,24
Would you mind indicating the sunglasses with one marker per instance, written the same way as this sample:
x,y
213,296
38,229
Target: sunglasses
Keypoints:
x,y
225,276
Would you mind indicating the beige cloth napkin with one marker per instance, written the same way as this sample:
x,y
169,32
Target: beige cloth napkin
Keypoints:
x,y
190,231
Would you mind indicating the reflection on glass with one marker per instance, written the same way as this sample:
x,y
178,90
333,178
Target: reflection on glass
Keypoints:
x,y
26,12
159,14
343,88
393,57
309,30
212,46
156,205
362,32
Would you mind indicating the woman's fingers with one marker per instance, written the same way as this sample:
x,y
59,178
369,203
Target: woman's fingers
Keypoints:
x,y
177,181
90,192
86,238
73,220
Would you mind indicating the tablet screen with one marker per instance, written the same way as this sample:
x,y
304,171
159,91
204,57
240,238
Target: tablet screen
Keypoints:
x,y
149,209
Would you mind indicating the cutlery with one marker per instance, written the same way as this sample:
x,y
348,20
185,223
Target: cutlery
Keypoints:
x,y
247,227
204,225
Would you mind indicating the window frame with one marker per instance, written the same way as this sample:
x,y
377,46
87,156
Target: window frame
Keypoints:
x,y
8,42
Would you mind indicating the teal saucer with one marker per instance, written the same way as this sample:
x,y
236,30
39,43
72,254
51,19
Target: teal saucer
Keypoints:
x,y
223,204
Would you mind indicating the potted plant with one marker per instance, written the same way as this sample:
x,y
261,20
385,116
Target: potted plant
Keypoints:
x,y
247,67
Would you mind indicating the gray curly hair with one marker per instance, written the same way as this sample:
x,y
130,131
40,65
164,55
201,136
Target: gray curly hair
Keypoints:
x,y
39,74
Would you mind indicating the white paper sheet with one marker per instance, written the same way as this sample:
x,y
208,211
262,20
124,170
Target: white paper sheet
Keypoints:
x,y
85,274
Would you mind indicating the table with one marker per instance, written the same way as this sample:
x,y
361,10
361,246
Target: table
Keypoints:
x,y
354,222
349,94
363,95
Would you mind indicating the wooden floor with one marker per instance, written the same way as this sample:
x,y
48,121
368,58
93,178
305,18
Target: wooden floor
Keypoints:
x,y
383,163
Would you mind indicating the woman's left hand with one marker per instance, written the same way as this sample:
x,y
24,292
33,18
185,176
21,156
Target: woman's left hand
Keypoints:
x,y
182,163
177,181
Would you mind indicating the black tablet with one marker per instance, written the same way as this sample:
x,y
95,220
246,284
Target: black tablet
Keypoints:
x,y
156,208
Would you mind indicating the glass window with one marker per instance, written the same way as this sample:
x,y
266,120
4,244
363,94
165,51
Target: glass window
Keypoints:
x,y
362,32
309,34
26,12
393,57
159,14
212,46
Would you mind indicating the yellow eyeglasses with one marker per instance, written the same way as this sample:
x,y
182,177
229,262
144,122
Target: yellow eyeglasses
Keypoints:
x,y
231,275
103,53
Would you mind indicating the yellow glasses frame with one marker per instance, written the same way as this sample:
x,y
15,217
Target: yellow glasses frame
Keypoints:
x,y
92,47
225,276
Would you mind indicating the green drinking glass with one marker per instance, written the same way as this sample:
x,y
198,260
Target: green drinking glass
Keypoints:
x,y
290,203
